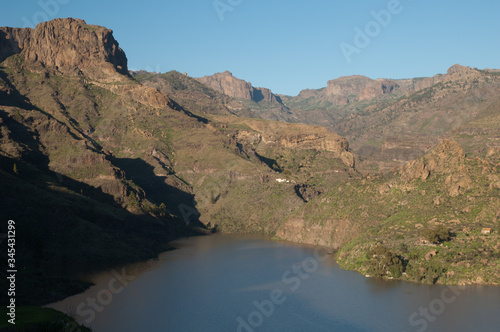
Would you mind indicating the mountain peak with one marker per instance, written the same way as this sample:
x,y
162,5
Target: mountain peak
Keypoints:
x,y
237,88
457,68
67,45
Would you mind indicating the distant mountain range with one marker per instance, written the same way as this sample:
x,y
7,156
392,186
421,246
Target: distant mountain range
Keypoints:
x,y
388,122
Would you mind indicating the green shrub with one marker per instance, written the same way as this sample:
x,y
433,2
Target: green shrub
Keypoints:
x,y
436,235
382,261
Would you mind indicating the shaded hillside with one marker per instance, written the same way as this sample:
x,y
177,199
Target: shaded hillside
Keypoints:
x,y
77,207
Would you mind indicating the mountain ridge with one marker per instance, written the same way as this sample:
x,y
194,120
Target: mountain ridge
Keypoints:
x,y
389,122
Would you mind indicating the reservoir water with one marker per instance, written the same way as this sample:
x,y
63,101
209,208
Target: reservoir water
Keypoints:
x,y
242,283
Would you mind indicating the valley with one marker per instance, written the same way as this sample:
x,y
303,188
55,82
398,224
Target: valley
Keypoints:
x,y
101,167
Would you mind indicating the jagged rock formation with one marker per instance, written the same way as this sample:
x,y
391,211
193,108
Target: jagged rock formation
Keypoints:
x,y
378,87
447,158
190,94
72,47
13,41
306,192
347,85
69,46
295,136
357,88
226,83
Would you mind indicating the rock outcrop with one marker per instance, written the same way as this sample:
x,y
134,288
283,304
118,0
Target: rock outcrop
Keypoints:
x,y
457,68
13,41
294,136
377,88
447,158
306,192
69,46
263,94
348,88
347,85
456,73
228,84
236,88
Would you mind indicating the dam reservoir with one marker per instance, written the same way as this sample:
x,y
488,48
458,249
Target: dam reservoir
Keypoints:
x,y
248,283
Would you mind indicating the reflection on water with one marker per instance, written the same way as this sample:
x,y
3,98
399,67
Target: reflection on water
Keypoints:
x,y
243,283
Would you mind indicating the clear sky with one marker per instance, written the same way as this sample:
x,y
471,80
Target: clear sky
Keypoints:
x,y
287,45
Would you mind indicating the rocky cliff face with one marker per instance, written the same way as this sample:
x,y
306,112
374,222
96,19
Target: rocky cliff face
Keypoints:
x,y
13,41
455,73
377,88
263,94
294,136
354,88
236,88
348,85
69,46
226,83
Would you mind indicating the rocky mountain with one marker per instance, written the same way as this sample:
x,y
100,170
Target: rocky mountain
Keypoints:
x,y
343,89
189,93
390,122
99,170
391,133
236,88
68,45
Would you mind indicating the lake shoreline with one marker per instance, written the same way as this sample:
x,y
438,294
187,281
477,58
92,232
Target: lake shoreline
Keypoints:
x,y
193,273
138,268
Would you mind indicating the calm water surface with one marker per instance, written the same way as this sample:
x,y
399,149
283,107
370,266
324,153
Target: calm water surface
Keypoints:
x,y
240,283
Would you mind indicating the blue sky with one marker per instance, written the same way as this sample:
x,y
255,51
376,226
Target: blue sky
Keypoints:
x,y
288,45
